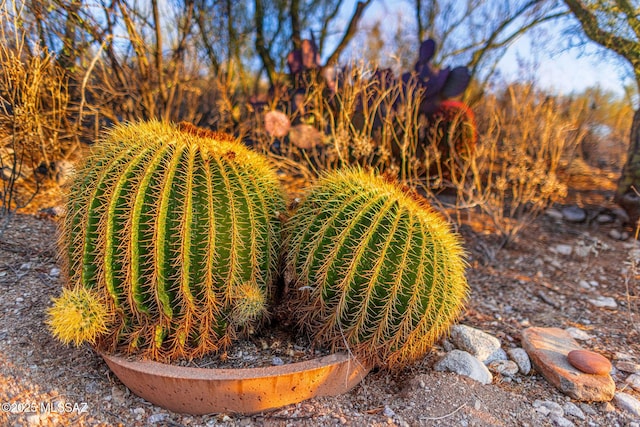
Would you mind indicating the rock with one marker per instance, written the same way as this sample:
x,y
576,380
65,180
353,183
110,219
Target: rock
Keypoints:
x,y
520,356
553,214
562,249
634,381
616,234
497,355
548,349
505,368
547,407
629,367
388,412
157,418
578,334
604,302
54,272
584,284
627,403
574,214
474,341
621,214
276,361
589,362
92,387
561,421
588,409
573,410
604,219
463,363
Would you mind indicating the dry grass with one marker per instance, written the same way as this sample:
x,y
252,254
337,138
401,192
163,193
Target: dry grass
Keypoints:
x,y
33,112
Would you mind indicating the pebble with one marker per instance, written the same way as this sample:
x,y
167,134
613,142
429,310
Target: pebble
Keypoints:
x,y
587,409
92,387
618,235
548,407
554,214
604,219
497,355
561,421
463,363
584,284
505,368
604,302
157,418
634,381
574,214
573,410
629,367
578,334
276,361
562,249
627,403
474,341
388,412
520,356
589,362
621,214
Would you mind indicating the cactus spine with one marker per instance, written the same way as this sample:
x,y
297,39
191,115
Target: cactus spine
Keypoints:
x,y
177,234
372,268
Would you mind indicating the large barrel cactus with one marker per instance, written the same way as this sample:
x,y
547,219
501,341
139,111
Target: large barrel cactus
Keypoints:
x,y
372,269
171,243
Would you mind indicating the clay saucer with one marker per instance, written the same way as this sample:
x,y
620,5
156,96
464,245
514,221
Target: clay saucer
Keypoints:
x,y
199,391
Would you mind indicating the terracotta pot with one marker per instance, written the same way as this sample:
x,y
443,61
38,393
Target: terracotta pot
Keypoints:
x,y
200,391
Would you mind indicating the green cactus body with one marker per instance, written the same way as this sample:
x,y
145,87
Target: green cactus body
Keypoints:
x,y
177,234
372,268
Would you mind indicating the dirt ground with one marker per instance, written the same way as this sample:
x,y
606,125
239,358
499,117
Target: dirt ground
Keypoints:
x,y
525,284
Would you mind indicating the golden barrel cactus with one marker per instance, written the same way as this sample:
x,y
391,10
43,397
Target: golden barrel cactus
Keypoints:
x,y
171,242
372,269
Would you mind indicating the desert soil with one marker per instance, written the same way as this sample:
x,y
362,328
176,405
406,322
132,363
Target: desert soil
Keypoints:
x,y
524,284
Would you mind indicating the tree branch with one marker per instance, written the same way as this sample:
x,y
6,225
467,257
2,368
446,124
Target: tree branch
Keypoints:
x,y
350,32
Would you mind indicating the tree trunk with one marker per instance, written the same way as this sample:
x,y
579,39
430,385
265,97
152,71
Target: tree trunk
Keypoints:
x,y
628,191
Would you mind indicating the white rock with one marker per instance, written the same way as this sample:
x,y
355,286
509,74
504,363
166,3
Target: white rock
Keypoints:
x,y
584,284
627,403
578,334
463,363
474,341
588,409
497,355
561,421
634,381
520,356
562,249
54,272
553,214
505,368
604,219
615,234
604,302
547,407
388,412
573,410
157,418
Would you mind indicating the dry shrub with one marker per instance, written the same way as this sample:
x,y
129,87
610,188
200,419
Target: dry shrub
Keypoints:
x,y
33,106
514,176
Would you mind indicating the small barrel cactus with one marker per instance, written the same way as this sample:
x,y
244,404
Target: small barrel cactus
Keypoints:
x,y
171,241
372,269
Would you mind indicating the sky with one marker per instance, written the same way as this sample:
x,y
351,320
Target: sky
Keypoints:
x,y
558,70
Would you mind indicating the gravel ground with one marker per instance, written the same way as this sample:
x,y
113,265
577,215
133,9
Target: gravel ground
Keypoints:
x,y
43,382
